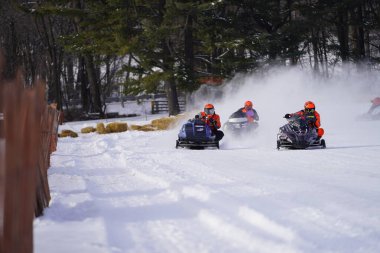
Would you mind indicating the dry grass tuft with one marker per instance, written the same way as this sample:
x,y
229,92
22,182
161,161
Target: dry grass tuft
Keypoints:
x,y
148,128
168,122
117,127
145,128
100,128
68,133
87,130
160,124
134,127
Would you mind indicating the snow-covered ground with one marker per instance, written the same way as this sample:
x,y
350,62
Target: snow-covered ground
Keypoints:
x,y
134,192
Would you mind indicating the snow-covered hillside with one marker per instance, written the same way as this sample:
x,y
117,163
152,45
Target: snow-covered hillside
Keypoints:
x,y
134,192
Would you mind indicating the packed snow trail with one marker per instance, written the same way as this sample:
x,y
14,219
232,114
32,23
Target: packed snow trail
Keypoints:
x,y
134,192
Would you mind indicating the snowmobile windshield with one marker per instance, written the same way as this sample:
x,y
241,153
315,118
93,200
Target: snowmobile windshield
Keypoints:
x,y
209,111
299,122
237,114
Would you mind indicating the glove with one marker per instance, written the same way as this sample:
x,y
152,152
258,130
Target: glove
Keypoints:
x,y
287,116
196,116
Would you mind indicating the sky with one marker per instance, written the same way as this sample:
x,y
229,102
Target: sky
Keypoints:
x,y
134,192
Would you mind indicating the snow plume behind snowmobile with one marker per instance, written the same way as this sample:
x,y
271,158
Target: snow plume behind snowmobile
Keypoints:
x,y
195,133
296,134
372,114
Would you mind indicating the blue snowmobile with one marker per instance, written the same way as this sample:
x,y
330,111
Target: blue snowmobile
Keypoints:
x,y
195,133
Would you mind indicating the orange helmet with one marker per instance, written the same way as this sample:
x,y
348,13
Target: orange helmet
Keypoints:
x,y
309,106
376,101
248,104
209,109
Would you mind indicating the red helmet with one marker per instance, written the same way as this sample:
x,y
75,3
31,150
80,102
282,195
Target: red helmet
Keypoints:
x,y
248,104
376,101
209,109
309,105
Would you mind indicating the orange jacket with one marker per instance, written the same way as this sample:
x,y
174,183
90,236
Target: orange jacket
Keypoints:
x,y
315,117
208,119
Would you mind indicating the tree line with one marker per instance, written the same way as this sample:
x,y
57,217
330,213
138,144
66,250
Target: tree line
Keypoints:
x,y
87,49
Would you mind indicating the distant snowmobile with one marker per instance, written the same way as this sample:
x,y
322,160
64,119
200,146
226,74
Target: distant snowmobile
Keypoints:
x,y
373,112
296,134
195,133
238,124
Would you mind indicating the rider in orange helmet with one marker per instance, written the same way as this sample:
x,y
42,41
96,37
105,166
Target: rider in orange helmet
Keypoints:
x,y
213,120
312,117
375,105
249,112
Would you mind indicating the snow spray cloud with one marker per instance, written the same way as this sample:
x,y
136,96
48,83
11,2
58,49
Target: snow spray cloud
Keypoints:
x,y
341,97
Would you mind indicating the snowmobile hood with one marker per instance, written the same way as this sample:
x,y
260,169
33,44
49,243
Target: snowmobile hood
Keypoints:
x,y
238,120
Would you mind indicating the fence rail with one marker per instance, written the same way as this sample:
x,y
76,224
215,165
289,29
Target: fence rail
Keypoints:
x,y
158,106
28,135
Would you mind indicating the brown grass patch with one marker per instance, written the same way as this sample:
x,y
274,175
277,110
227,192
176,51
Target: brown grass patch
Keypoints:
x,y
117,127
160,124
87,130
145,128
134,127
100,128
68,133
168,122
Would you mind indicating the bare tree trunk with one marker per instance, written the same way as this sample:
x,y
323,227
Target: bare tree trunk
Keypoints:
x,y
325,54
172,96
314,42
357,36
170,85
168,63
342,32
94,84
69,80
82,79
54,60
189,50
126,78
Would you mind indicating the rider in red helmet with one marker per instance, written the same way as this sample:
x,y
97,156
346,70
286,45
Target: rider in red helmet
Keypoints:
x,y
213,120
249,112
375,106
312,117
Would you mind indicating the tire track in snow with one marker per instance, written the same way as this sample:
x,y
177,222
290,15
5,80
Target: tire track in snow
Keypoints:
x,y
239,238
263,223
209,198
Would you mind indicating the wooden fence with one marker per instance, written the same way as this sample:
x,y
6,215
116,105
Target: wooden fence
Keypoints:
x,y
158,106
28,135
